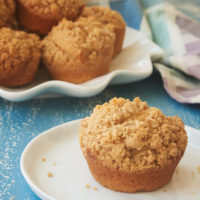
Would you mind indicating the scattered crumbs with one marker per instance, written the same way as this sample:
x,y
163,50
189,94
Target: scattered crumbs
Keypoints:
x,y
198,169
12,197
95,188
192,172
50,175
54,164
164,190
44,160
87,186
177,170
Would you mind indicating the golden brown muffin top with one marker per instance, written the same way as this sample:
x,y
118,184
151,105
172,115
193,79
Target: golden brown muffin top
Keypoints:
x,y
55,8
17,49
82,40
104,15
7,11
130,136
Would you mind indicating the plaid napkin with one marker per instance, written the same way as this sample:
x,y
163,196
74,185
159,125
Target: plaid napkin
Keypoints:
x,y
178,33
175,26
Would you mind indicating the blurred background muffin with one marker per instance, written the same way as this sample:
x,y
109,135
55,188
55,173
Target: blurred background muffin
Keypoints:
x,y
7,13
78,51
39,16
19,57
108,17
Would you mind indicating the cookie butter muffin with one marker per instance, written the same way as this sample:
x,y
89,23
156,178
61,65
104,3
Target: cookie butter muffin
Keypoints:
x,y
131,147
39,16
78,51
108,17
19,57
7,13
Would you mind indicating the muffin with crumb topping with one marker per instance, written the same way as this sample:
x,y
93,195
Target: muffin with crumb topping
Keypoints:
x,y
40,16
78,51
131,147
7,13
19,57
110,18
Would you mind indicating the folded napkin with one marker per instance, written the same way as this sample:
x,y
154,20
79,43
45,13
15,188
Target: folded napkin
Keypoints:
x,y
178,33
174,25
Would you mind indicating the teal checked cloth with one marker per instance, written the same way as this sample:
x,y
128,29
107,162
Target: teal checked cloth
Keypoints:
x,y
174,25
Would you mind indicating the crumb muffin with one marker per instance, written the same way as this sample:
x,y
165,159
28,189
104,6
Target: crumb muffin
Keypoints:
x,y
41,16
7,13
78,51
131,147
19,57
108,17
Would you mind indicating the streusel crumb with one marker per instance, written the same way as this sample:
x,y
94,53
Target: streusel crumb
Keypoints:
x,y
87,186
130,136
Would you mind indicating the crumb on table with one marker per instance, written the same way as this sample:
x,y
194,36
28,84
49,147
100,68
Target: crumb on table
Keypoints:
x,y
87,186
44,160
50,175
54,164
95,188
193,173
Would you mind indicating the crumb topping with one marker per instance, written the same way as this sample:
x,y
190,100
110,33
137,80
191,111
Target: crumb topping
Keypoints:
x,y
129,135
17,50
77,40
7,11
55,8
104,15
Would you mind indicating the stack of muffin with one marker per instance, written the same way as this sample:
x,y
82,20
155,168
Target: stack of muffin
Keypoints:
x,y
74,42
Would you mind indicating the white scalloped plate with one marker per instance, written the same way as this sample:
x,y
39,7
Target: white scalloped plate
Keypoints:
x,y
70,173
132,64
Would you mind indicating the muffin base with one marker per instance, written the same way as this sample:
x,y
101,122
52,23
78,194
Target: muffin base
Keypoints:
x,y
119,41
122,181
78,73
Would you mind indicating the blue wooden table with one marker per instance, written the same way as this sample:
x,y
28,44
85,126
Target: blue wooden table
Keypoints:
x,y
22,121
